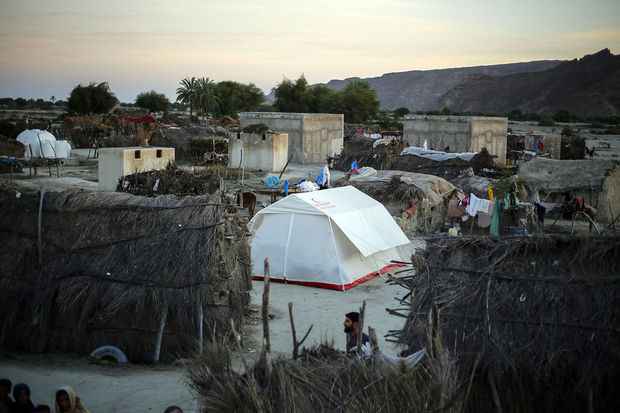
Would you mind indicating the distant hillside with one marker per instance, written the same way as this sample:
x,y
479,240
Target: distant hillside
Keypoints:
x,y
420,89
586,87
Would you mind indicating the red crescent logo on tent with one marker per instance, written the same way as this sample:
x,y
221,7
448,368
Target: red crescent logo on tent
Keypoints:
x,y
314,200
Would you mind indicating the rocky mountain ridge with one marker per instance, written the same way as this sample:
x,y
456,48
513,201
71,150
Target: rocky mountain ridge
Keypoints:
x,y
586,87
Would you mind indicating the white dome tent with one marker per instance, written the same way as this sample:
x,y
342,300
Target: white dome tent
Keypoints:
x,y
44,144
334,238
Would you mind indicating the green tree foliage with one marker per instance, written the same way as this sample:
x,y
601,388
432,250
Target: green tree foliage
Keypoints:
x,y
93,98
400,112
204,98
235,97
325,100
153,101
385,120
185,93
359,102
293,96
563,116
546,122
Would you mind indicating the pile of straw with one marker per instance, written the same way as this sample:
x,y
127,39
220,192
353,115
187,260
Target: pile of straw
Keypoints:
x,y
537,319
85,269
168,181
361,149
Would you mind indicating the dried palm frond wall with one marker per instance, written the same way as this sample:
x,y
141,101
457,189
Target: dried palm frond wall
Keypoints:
x,y
113,268
536,318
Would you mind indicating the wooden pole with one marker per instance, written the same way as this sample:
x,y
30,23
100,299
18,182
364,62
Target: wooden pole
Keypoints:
x,y
200,325
290,315
160,333
267,342
360,329
30,163
374,342
287,162
39,226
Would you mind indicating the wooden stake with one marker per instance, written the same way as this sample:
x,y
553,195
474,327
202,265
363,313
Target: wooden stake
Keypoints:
x,y
360,329
39,225
160,333
284,169
267,342
296,344
200,325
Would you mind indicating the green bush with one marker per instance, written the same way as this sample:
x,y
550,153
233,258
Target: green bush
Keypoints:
x,y
546,122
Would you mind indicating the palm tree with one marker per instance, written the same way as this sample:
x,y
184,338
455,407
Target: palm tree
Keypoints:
x,y
204,97
185,93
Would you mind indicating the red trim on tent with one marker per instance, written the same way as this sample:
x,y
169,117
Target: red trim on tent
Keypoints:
x,y
338,287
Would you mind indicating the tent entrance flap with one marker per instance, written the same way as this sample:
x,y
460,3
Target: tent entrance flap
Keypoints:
x,y
333,239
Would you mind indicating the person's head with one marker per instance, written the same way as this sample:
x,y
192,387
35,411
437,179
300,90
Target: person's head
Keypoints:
x,y
173,409
21,393
65,399
42,408
5,387
351,322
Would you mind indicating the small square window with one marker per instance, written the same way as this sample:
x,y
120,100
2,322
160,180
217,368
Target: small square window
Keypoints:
x,y
264,136
159,153
238,135
137,154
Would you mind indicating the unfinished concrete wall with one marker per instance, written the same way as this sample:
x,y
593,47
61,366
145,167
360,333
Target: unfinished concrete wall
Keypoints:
x,y
115,163
266,151
438,131
322,136
490,133
311,136
460,133
553,144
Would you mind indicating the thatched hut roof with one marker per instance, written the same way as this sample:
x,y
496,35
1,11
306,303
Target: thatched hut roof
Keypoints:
x,y
448,169
565,175
540,314
102,269
360,149
11,147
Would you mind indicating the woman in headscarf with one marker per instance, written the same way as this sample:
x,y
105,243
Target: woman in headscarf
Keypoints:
x,y
68,402
21,395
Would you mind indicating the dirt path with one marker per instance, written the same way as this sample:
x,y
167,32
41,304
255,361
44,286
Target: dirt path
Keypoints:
x,y
103,388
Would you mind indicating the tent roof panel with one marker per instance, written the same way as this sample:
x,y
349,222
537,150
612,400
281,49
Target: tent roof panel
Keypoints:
x,y
364,220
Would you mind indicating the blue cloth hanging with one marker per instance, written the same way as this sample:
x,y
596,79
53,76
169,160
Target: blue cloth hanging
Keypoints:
x,y
286,187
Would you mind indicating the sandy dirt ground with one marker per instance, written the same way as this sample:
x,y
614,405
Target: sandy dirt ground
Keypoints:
x,y
111,387
102,388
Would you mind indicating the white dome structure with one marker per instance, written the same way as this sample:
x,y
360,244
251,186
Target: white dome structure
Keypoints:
x,y
43,143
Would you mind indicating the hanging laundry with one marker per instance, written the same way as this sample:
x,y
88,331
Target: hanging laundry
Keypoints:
x,y
497,211
477,205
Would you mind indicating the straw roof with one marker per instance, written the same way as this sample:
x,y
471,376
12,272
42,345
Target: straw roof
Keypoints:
x,y
566,175
538,317
108,266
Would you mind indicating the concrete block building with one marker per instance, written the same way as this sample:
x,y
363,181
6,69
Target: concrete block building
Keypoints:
x,y
115,163
460,133
266,151
311,136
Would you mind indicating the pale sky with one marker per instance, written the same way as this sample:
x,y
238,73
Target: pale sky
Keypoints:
x,y
49,46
